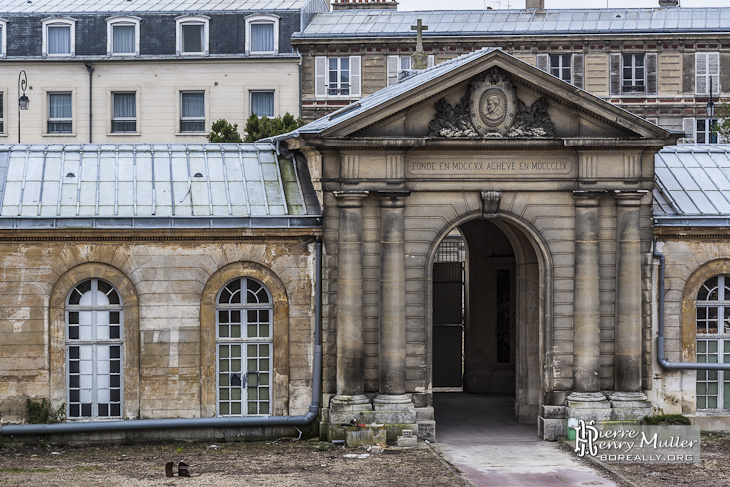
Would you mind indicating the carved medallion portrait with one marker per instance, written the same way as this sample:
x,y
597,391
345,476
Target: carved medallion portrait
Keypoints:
x,y
492,104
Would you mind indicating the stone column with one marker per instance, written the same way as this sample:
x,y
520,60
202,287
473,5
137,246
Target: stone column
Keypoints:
x,y
392,300
350,348
586,307
628,336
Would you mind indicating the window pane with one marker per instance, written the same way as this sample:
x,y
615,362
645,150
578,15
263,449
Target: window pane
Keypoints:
x,y
124,105
123,39
59,105
59,39
193,104
192,38
262,37
262,103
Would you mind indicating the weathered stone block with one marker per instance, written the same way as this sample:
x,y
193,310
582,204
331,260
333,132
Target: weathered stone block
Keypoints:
x,y
588,414
630,413
427,430
407,441
550,429
424,414
552,412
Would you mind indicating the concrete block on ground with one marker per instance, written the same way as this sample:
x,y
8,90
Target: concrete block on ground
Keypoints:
x,y
550,429
427,430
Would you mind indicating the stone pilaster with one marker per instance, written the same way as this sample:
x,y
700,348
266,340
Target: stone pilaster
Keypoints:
x,y
586,309
392,303
350,349
628,340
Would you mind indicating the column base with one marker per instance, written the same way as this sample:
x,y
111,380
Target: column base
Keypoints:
x,y
588,406
630,406
391,402
344,409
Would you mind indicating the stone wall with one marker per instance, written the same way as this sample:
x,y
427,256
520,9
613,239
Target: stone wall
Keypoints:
x,y
168,275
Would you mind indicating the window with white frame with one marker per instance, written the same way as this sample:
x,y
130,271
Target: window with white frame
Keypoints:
x,y
59,37
192,111
3,37
561,67
192,35
94,361
60,113
707,73
244,327
123,36
633,79
124,112
262,34
262,103
700,130
337,77
713,342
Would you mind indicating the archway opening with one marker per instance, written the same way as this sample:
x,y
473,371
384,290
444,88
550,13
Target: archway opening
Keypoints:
x,y
486,319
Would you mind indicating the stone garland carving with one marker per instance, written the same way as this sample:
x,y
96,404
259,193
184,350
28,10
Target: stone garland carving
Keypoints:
x,y
490,108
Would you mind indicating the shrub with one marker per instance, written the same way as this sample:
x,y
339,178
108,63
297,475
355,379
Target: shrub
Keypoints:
x,y
43,413
666,419
264,127
223,132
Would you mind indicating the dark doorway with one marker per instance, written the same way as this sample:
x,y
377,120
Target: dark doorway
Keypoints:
x,y
448,314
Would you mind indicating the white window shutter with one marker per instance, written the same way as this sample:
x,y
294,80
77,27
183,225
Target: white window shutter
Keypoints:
x,y
392,70
355,77
431,59
701,87
688,125
543,62
577,60
320,76
713,70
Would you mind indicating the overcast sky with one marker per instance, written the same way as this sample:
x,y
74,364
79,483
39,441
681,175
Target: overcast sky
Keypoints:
x,y
481,4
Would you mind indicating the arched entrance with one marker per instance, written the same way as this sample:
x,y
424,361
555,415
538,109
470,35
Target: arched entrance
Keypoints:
x,y
487,314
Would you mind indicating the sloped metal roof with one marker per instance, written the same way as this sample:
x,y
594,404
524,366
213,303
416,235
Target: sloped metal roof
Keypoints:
x,y
175,185
97,6
383,23
692,185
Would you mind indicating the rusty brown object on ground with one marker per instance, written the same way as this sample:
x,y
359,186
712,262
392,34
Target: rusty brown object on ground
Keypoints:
x,y
168,469
182,470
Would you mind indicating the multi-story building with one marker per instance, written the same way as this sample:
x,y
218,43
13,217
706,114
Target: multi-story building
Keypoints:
x,y
147,71
660,63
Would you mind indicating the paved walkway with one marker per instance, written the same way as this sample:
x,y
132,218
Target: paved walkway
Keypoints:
x,y
477,434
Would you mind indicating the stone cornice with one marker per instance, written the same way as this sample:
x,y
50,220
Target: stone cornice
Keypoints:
x,y
155,236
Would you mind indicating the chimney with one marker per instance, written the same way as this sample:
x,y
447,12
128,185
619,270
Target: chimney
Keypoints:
x,y
536,4
363,4
669,3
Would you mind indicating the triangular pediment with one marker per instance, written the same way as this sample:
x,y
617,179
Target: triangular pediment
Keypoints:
x,y
487,94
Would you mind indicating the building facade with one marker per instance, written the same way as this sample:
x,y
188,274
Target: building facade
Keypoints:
x,y
659,63
147,72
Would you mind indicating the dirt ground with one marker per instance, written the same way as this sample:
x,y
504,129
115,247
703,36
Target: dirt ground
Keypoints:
x,y
283,463
712,471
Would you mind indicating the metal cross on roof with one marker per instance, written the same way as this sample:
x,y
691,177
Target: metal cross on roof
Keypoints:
x,y
419,28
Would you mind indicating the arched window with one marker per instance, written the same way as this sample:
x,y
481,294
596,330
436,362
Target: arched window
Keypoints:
x,y
94,351
713,341
244,310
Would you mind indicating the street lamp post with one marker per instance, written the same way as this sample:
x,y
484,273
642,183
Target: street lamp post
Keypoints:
x,y
23,101
710,110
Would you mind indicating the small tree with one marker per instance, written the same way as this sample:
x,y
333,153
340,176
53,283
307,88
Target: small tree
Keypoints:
x,y
721,128
264,127
223,132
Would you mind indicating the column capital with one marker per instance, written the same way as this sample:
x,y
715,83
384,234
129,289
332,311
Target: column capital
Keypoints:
x,y
393,199
350,199
588,198
629,198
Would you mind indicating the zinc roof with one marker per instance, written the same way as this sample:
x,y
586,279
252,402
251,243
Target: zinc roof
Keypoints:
x,y
175,185
97,6
383,23
692,185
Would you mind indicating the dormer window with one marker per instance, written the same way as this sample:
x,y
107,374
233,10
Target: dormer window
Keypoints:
x,y
3,36
59,37
262,34
192,36
123,36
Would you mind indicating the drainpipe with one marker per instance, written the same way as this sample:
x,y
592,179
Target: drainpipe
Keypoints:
x,y
227,422
91,81
661,356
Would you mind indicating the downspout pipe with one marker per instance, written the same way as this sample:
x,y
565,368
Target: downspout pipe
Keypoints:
x,y
661,354
227,422
91,111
